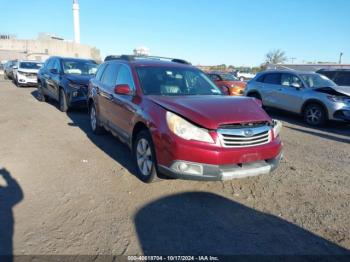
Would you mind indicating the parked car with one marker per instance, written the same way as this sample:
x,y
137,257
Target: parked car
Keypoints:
x,y
178,123
25,73
8,69
244,75
228,83
309,94
66,81
340,76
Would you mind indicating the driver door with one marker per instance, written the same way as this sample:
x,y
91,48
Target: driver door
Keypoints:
x,y
289,96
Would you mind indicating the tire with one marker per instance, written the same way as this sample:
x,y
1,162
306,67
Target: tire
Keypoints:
x,y
63,105
255,95
41,96
241,79
315,115
145,157
94,122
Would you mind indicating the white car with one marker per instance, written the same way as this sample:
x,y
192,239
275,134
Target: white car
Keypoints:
x,y
244,76
25,73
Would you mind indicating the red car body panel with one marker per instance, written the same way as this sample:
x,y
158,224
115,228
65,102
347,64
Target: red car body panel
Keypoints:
x,y
212,111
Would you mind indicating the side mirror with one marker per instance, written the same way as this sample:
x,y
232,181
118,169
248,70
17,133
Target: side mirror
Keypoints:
x,y
123,89
54,71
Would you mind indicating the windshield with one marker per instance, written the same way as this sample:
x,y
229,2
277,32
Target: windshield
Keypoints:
x,y
228,77
174,81
30,65
79,67
317,81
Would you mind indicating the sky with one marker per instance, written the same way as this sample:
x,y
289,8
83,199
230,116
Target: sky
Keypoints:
x,y
206,32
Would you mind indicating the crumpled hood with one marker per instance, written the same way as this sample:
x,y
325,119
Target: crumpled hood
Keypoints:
x,y
342,89
79,79
212,111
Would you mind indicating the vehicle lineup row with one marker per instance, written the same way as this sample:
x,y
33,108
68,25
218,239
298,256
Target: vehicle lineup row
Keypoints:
x,y
163,108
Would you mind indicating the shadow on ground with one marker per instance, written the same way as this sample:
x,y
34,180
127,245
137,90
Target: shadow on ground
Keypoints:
x,y
200,223
10,195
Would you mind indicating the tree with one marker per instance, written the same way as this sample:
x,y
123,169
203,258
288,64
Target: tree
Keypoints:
x,y
276,56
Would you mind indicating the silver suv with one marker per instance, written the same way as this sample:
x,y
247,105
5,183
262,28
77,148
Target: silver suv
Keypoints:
x,y
312,95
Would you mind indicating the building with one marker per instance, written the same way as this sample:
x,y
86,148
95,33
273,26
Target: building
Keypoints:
x,y
44,46
309,67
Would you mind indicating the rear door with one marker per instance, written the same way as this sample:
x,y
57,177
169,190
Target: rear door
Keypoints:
x,y
105,91
270,86
46,78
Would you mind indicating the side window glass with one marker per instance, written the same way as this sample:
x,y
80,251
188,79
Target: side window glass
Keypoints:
x,y
214,77
109,77
56,65
343,79
100,70
274,79
261,79
286,80
49,64
125,77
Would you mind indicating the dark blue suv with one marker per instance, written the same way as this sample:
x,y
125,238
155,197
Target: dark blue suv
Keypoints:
x,y
66,81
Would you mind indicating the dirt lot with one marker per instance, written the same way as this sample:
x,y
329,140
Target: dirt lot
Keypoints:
x,y
75,193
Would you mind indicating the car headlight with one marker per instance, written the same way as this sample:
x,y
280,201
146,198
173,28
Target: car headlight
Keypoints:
x,y
337,98
186,130
277,127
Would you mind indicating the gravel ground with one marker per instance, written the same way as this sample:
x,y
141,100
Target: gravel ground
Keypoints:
x,y
70,192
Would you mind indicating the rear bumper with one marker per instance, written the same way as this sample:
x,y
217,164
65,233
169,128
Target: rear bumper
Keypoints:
x,y
222,172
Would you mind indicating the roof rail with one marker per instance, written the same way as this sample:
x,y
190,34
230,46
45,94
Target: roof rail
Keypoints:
x,y
133,58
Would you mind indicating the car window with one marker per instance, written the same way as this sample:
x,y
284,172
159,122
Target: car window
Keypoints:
x,y
214,77
125,77
110,74
290,80
56,65
100,71
274,78
261,79
174,81
49,64
329,74
343,79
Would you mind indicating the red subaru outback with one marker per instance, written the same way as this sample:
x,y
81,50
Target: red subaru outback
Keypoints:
x,y
178,123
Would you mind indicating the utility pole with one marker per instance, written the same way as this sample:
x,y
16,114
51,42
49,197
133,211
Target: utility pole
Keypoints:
x,y
76,21
340,57
292,58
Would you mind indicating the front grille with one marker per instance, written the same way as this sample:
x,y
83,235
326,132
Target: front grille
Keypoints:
x,y
245,137
244,125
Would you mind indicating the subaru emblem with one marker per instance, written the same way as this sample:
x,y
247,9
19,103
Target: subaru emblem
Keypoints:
x,y
248,133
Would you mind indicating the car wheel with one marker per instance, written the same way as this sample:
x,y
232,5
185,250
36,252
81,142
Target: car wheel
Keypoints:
x,y
314,115
63,101
41,96
145,158
241,79
94,122
255,95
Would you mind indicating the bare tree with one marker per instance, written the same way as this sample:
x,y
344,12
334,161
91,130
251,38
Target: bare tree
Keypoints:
x,y
276,56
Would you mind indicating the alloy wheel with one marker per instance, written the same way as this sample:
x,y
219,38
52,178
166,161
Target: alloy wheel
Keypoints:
x,y
144,157
93,119
313,115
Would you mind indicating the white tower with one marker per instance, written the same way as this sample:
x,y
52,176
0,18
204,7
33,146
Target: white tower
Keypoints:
x,y
76,21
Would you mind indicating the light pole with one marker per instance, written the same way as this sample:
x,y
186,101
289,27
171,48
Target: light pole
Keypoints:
x,y
340,56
